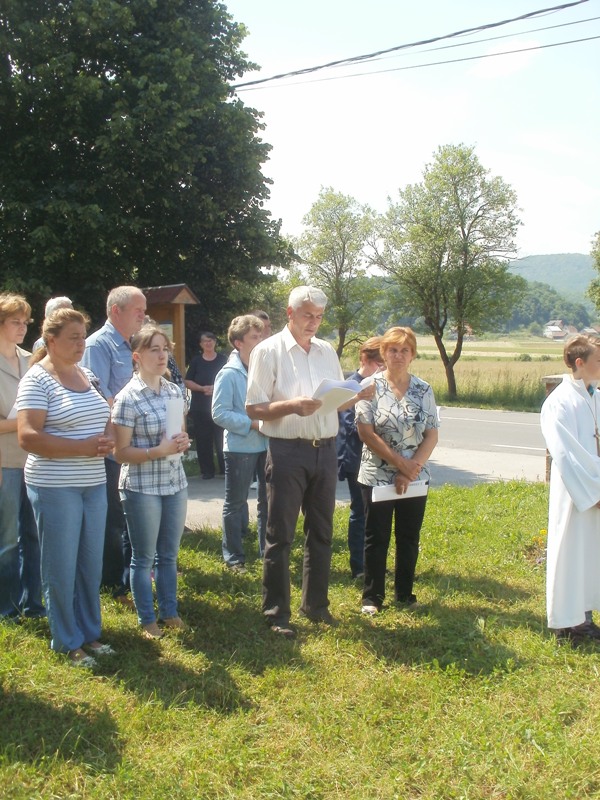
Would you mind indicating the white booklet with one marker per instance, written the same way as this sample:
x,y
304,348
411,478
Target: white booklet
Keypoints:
x,y
334,394
414,489
174,406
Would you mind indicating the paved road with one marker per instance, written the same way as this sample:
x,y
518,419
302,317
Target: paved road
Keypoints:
x,y
476,446
480,446
477,429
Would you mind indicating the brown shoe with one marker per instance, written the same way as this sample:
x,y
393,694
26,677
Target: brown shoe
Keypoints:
x,y
152,631
284,630
126,601
174,622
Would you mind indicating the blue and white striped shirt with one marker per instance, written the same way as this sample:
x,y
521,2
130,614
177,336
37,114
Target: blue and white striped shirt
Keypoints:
x,y
70,415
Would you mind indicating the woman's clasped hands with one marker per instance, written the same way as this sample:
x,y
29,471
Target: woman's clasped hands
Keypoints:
x,y
99,446
410,471
178,443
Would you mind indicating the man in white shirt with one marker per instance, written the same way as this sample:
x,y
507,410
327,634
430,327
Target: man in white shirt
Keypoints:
x,y
284,372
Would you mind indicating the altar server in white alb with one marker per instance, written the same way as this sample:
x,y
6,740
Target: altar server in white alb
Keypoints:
x,y
570,417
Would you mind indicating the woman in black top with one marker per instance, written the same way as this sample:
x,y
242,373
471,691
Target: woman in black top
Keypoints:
x,y
200,379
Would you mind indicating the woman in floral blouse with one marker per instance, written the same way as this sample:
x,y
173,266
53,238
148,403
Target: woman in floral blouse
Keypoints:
x,y
398,429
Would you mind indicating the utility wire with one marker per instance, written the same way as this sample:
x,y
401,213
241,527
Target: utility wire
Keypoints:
x,y
453,60
495,38
430,63
355,59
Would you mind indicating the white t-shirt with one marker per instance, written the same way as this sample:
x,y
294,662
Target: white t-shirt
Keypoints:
x,y
70,415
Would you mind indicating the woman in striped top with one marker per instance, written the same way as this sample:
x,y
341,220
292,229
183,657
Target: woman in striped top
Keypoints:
x,y
62,424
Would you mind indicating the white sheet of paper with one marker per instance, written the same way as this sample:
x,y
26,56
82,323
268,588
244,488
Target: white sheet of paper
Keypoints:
x,y
415,489
174,406
334,394
12,414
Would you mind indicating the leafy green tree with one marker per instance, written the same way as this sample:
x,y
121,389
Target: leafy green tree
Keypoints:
x,y
594,289
539,303
332,247
445,242
124,156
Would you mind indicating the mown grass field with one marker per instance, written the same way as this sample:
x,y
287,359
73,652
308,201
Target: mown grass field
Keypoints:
x,y
469,697
504,373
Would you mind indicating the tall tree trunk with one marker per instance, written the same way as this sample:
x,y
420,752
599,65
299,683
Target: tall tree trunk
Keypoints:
x,y
342,331
451,380
448,364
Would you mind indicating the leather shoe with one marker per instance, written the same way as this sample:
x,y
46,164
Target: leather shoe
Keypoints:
x,y
285,630
575,637
173,622
152,631
324,617
126,601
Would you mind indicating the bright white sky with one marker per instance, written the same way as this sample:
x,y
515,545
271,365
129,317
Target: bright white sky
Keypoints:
x,y
533,117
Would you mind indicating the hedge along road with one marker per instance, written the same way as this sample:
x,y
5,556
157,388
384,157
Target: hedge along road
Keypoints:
x,y
475,446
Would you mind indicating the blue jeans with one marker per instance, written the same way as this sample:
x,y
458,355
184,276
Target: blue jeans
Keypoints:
x,y
239,473
155,524
20,578
356,526
71,522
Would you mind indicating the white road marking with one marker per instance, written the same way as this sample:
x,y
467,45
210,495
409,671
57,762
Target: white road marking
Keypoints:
x,y
520,447
489,421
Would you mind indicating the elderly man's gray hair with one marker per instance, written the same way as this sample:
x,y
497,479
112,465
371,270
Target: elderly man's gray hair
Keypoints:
x,y
307,294
55,303
121,296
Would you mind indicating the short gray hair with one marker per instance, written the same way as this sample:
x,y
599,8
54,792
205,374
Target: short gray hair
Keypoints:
x,y
120,296
55,303
307,294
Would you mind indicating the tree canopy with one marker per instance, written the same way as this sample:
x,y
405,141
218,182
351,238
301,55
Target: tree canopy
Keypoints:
x,y
539,303
594,290
332,248
446,241
124,156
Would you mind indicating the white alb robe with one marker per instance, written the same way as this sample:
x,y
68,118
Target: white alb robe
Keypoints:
x,y
568,421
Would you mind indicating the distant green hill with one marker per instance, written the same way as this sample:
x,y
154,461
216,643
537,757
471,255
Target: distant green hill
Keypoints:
x,y
568,273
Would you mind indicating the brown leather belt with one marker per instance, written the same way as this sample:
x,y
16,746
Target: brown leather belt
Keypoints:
x,y
317,442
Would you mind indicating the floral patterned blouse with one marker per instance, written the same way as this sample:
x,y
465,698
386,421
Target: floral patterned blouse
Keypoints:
x,y
400,423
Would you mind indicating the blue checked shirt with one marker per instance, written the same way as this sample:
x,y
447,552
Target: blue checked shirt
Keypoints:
x,y
138,406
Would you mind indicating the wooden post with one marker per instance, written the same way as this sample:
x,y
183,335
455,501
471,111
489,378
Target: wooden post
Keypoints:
x,y
166,305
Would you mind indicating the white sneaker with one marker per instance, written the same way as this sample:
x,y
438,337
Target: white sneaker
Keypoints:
x,y
370,610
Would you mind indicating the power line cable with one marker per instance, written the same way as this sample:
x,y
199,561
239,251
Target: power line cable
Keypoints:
x,y
496,38
457,60
355,59
430,63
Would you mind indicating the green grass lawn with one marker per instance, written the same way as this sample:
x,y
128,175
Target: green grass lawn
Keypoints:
x,y
468,697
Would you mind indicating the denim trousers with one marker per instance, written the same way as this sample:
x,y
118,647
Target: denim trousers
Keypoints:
x,y
239,474
71,522
356,526
407,516
20,577
155,524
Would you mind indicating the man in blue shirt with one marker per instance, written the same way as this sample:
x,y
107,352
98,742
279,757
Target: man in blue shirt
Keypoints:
x,y
108,356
